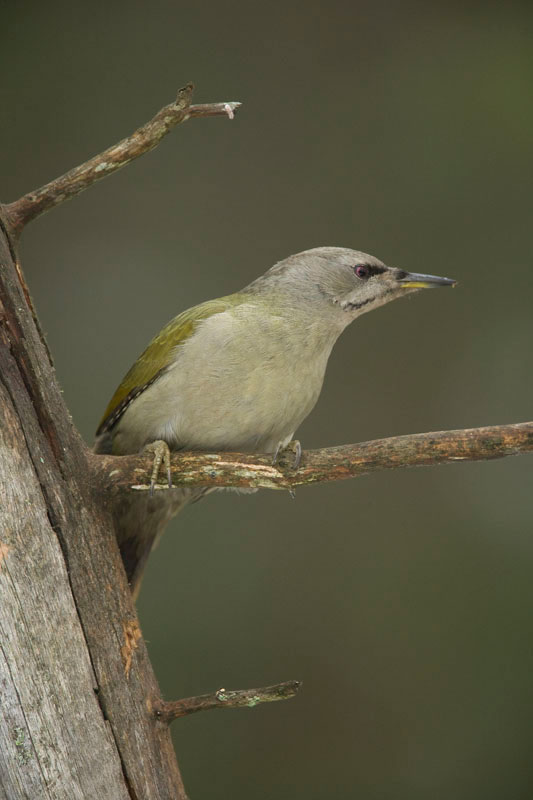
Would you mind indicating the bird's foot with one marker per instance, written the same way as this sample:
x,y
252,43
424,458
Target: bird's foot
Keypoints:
x,y
294,448
161,453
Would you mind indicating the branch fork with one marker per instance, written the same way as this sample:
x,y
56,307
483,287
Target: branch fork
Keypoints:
x,y
144,139
144,757
60,541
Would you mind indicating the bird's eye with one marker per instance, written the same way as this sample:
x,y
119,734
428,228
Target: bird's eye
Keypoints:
x,y
362,271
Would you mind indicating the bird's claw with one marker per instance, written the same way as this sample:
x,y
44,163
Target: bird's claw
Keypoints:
x,y
161,453
297,448
293,447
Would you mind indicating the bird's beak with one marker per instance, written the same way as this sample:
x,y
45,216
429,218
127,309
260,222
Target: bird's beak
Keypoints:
x,y
414,280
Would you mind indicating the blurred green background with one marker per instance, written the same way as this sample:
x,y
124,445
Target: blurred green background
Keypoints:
x,y
403,600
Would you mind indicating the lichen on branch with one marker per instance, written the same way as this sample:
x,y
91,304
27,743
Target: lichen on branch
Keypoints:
x,y
144,139
119,474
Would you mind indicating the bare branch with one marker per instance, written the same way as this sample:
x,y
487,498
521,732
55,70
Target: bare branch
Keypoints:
x,y
141,141
117,474
223,698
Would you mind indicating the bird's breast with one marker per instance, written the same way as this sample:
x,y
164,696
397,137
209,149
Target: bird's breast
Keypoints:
x,y
242,381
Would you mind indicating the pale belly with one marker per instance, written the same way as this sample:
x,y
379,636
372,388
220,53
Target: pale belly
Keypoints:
x,y
228,392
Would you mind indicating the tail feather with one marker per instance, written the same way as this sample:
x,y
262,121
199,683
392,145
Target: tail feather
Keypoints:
x,y
140,522
140,519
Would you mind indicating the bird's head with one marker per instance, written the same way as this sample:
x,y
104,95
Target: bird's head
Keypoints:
x,y
350,281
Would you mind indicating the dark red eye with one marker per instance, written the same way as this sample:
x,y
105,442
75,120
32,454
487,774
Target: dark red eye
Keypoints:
x,y
362,271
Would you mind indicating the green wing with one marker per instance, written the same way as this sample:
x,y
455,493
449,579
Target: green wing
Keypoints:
x,y
159,354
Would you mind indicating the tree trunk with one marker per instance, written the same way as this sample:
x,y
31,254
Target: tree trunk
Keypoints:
x,y
82,715
78,690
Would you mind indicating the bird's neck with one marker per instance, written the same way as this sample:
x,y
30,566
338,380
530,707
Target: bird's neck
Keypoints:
x,y
312,325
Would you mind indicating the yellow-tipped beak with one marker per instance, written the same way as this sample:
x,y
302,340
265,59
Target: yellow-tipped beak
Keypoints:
x,y
414,280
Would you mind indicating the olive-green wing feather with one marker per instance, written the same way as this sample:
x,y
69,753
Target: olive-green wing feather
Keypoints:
x,y
159,354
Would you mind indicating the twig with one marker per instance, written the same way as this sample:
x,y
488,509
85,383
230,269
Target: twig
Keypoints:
x,y
223,698
141,141
117,474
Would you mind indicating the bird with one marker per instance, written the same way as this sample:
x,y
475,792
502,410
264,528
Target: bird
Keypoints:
x,y
238,373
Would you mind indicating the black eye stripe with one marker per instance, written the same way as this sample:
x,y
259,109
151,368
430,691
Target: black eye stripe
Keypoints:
x,y
371,269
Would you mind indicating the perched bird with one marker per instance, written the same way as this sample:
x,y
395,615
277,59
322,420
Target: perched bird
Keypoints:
x,y
239,373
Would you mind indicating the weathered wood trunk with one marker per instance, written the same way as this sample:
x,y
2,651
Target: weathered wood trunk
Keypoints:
x,y
80,711
77,687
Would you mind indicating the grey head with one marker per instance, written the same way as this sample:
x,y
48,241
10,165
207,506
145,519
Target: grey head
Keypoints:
x,y
348,282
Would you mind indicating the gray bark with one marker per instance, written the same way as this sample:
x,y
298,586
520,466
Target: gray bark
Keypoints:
x,y
77,688
48,686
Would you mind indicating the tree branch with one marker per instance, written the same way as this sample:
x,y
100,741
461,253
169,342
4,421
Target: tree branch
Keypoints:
x,y
63,586
144,139
117,474
238,698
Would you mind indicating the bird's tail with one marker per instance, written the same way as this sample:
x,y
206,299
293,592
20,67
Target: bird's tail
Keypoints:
x,y
140,521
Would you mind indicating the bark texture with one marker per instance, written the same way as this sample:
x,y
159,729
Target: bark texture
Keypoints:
x,y
77,684
81,712
226,698
48,686
249,470
141,141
